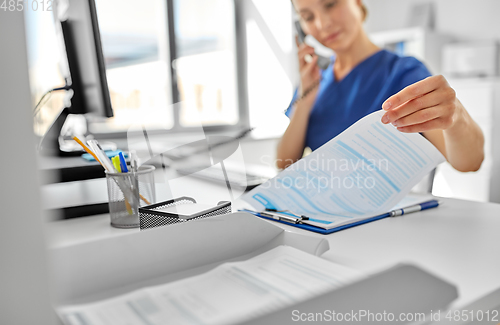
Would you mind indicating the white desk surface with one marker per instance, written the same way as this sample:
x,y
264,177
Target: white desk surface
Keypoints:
x,y
458,241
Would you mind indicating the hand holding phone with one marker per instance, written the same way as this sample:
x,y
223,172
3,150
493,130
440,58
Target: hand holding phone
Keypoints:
x,y
310,76
323,61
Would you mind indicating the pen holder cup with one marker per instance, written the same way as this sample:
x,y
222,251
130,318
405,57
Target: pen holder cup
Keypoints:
x,y
126,193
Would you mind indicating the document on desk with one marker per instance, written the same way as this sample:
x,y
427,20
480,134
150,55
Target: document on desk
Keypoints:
x,y
231,292
363,172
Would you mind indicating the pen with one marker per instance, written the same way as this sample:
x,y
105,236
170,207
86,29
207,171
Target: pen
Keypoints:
x,y
134,168
116,163
302,217
415,208
281,217
133,161
133,165
123,164
104,160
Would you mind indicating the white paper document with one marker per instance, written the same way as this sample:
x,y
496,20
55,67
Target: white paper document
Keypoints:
x,y
363,172
229,293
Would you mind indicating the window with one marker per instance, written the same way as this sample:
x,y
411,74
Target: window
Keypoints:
x,y
206,61
44,62
159,52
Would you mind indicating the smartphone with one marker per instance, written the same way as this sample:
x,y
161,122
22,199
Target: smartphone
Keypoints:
x,y
323,61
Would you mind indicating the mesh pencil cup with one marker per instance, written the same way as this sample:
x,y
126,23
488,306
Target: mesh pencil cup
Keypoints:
x,y
127,193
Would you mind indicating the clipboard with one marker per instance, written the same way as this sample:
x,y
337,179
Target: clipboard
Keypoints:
x,y
394,213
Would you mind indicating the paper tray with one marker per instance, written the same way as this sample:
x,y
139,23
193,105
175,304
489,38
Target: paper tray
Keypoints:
x,y
151,216
105,268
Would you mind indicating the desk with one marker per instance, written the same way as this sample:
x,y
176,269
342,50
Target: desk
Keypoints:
x,y
457,241
67,169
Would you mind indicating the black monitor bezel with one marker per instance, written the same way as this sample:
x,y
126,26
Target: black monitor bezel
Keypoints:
x,y
79,103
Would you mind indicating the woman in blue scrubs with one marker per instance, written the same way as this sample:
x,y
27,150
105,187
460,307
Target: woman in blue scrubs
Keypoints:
x,y
363,79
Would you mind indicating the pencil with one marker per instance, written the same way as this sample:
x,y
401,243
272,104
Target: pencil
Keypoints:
x,y
86,149
144,199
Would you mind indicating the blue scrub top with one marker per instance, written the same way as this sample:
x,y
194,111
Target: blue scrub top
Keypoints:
x,y
339,104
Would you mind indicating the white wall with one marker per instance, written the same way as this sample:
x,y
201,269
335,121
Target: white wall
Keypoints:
x,y
24,292
271,63
463,19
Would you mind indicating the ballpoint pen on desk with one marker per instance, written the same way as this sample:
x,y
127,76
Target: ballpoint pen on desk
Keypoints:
x,y
415,208
282,217
302,217
278,215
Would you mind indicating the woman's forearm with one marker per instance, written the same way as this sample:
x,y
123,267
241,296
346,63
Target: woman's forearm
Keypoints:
x,y
464,142
291,146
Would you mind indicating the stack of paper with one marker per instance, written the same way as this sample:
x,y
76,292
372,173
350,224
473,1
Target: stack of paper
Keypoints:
x,y
231,292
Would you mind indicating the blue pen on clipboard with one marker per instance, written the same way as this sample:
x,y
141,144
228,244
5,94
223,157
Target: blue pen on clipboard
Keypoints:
x,y
415,208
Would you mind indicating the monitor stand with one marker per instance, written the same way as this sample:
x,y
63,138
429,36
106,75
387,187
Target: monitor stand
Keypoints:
x,y
49,145
53,144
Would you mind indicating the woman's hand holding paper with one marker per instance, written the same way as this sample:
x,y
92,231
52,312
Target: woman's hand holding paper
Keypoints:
x,y
431,106
426,105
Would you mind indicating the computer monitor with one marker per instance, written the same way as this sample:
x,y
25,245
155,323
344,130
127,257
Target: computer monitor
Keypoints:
x,y
86,60
76,30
